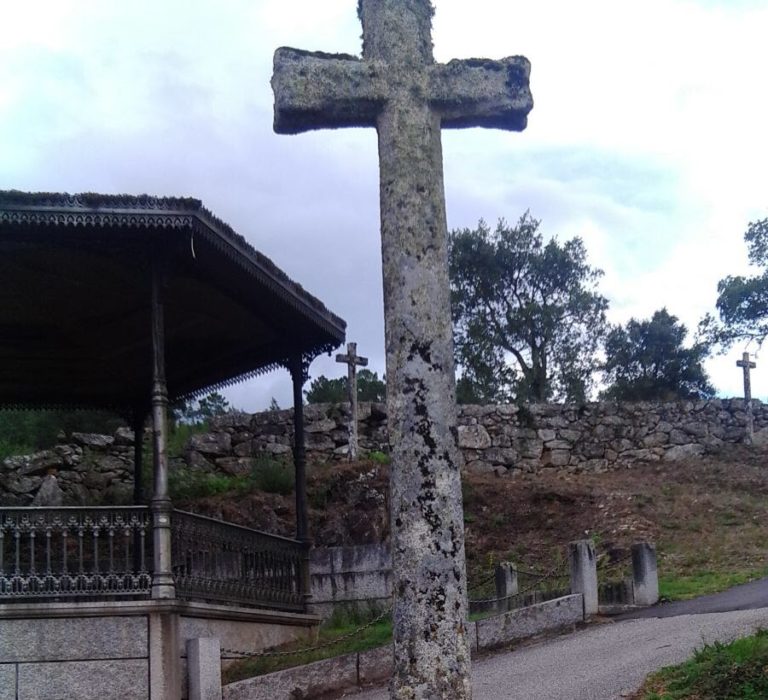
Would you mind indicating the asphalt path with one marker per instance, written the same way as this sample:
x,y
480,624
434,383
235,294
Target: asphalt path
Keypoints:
x,y
745,597
610,660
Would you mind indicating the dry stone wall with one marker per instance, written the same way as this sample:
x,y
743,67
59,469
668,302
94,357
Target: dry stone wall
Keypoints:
x,y
92,469
504,439
84,469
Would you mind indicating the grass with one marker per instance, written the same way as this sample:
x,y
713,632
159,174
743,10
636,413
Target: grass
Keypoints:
x,y
735,671
704,583
374,636
12,449
267,475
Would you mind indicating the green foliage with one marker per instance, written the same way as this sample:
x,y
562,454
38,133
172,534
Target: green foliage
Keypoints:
x,y
267,475
646,360
190,484
179,435
273,476
12,449
369,388
734,671
37,430
200,411
379,457
704,583
528,319
742,302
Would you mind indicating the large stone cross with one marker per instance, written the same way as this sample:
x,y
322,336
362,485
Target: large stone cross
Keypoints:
x,y
352,360
746,365
399,89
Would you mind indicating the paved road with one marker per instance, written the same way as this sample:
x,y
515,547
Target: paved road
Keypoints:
x,y
745,597
603,662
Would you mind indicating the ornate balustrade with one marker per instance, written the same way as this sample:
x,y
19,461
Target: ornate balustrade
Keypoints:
x,y
74,552
222,562
105,552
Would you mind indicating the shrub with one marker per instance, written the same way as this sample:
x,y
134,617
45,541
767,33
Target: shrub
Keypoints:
x,y
273,476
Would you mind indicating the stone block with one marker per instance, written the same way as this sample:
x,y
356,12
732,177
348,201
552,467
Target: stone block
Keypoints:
x,y
473,437
211,444
72,639
325,425
583,566
8,682
525,622
122,679
99,442
124,436
204,668
311,680
645,577
683,452
376,665
40,463
49,493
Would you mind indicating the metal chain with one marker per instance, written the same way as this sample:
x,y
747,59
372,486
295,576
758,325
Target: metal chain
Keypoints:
x,y
264,653
549,575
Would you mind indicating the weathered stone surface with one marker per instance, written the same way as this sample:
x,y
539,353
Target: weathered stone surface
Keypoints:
x,y
40,463
8,682
49,493
211,444
311,680
23,484
473,437
93,440
72,639
398,88
124,436
85,680
552,615
324,425
195,460
683,451
236,466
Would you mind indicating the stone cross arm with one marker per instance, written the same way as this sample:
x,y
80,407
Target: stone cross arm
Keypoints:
x,y
315,90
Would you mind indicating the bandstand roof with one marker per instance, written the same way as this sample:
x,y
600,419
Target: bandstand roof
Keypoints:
x,y
75,299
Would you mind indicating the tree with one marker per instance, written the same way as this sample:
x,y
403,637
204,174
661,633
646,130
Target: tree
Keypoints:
x,y
528,319
369,388
646,361
200,410
742,302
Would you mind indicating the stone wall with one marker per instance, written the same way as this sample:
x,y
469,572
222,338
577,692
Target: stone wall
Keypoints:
x,y
350,576
505,439
84,469
92,469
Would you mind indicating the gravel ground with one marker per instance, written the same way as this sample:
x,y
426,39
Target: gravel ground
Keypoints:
x,y
602,662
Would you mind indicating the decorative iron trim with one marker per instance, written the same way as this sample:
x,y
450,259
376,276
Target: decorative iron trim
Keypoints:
x,y
222,562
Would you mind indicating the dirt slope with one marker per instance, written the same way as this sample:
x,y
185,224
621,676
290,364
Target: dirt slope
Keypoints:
x,y
708,513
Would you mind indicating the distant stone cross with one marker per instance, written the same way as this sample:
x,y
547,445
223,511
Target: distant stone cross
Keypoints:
x,y
352,360
399,89
746,365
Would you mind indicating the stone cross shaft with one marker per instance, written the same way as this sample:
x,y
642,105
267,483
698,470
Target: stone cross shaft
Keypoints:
x,y
746,365
352,360
399,89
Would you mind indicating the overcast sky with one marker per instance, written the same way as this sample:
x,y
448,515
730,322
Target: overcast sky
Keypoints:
x,y
646,138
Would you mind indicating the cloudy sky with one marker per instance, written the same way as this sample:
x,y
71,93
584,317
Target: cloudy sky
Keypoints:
x,y
646,139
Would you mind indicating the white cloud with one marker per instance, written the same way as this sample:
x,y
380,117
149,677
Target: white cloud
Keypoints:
x,y
646,138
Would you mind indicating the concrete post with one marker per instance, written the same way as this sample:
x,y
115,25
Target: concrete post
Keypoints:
x,y
204,668
645,576
581,556
164,657
506,584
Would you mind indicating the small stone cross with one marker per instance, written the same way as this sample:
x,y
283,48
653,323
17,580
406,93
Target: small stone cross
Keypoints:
x,y
352,360
399,89
746,365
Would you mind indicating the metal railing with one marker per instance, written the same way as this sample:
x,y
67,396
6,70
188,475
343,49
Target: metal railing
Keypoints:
x,y
63,552
221,562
